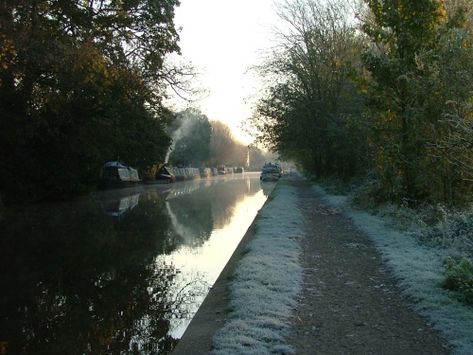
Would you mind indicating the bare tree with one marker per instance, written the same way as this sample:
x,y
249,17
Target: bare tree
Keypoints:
x,y
311,96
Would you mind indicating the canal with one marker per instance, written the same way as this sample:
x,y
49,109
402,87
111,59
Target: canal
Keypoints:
x,y
118,272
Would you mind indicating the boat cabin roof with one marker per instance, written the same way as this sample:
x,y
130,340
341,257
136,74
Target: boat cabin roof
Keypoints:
x,y
114,164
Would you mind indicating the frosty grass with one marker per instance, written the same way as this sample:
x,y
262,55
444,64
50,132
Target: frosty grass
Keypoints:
x,y
266,281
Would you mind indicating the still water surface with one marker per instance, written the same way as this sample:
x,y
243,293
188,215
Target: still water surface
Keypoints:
x,y
119,272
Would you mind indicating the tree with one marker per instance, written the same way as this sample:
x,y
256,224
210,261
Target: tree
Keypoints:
x,y
224,148
400,31
312,109
81,83
421,71
191,139
199,142
447,77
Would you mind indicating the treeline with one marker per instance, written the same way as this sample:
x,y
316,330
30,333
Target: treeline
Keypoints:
x,y
199,142
81,82
380,89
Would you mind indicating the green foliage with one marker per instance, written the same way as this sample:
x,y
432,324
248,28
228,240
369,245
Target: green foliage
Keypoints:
x,y
404,27
402,30
420,71
80,83
369,194
450,144
459,278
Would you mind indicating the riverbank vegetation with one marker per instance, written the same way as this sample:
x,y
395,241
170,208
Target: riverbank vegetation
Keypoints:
x,y
82,83
376,87
378,92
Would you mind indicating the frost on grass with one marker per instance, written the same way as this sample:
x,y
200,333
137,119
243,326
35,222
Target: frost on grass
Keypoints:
x,y
267,280
454,231
419,271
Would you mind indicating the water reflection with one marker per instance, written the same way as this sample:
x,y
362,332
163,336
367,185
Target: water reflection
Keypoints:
x,y
118,206
105,275
267,187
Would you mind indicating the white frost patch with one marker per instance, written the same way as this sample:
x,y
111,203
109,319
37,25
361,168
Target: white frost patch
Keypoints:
x,y
419,271
266,281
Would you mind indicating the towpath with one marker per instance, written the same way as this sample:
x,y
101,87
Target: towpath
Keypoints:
x,y
348,302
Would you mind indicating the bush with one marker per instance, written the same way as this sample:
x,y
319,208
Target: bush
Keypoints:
x,y
453,229
459,278
368,195
333,185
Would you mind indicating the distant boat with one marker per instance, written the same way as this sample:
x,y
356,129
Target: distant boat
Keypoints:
x,y
116,174
205,172
221,170
164,174
270,172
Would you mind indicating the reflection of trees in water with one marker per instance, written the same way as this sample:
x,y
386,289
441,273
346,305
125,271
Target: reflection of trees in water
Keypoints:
x,y
77,281
226,195
192,218
196,212
169,306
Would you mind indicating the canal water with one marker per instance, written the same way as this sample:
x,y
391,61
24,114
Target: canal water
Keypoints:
x,y
118,272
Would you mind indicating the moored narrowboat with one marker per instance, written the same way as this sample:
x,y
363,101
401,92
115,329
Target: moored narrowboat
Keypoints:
x,y
222,170
115,174
164,174
270,172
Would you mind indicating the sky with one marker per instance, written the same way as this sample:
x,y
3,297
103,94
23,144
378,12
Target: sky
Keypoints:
x,y
223,39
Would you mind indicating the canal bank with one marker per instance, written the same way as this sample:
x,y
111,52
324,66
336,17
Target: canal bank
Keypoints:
x,y
345,293
267,257
212,314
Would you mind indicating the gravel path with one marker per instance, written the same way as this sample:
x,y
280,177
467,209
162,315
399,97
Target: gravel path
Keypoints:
x,y
349,303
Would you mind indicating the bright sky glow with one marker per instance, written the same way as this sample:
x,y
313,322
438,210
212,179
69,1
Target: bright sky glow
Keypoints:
x,y
223,39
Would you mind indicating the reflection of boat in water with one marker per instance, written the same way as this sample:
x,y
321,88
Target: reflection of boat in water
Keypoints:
x,y
270,172
179,190
116,174
267,187
121,205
